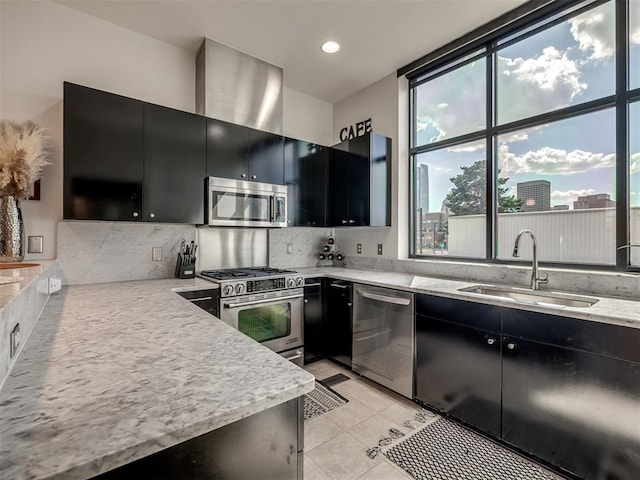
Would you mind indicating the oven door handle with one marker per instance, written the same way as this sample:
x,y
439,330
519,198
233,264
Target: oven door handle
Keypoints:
x,y
256,302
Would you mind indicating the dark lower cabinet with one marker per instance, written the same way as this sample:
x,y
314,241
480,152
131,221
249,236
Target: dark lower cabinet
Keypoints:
x,y
458,366
103,152
338,324
174,165
313,318
566,399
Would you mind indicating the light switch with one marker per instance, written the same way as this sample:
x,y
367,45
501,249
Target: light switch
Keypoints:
x,y
156,254
34,244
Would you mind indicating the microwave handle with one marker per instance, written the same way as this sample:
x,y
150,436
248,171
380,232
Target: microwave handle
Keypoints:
x,y
272,208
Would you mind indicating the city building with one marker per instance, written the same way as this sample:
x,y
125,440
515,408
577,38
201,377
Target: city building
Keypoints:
x,y
423,188
599,200
535,195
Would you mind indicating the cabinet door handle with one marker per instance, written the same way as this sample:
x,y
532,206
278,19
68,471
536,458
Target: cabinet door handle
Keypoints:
x,y
135,214
306,300
337,285
344,221
151,215
349,304
352,221
253,177
491,341
243,175
511,346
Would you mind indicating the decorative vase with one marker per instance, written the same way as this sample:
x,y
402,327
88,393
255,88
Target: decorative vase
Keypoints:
x,y
11,230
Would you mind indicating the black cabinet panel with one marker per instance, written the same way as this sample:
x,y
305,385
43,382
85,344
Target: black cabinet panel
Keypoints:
x,y
476,315
313,316
266,161
338,325
227,149
103,151
174,165
458,372
576,410
603,339
361,182
306,167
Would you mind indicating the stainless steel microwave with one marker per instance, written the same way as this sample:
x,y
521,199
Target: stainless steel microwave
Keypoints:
x,y
238,203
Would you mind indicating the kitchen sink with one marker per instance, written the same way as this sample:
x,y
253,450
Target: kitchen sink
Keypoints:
x,y
522,295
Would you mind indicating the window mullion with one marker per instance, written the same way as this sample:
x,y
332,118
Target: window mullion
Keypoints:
x,y
491,161
622,141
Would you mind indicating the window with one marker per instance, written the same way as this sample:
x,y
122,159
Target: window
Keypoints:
x,y
567,64
634,179
634,43
451,104
540,141
452,201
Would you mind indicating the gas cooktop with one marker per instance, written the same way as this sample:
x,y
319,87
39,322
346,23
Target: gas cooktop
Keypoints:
x,y
248,272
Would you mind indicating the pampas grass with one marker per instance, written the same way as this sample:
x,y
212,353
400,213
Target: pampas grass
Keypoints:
x,y
22,157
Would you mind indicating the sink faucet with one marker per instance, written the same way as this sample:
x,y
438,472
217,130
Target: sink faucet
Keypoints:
x,y
536,277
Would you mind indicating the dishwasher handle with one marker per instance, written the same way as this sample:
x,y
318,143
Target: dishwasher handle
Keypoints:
x,y
384,298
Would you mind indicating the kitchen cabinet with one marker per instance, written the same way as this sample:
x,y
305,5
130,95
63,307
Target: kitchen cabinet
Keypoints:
x,y
313,319
458,360
174,165
338,324
103,155
242,153
571,393
306,171
360,182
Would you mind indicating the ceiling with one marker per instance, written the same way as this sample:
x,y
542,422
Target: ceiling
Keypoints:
x,y
377,36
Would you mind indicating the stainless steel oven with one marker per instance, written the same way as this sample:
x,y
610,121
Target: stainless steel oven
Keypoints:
x,y
238,203
273,319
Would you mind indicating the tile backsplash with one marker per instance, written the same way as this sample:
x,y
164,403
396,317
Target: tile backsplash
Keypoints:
x,y
304,243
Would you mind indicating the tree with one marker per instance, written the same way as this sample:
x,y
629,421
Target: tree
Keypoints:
x,y
469,193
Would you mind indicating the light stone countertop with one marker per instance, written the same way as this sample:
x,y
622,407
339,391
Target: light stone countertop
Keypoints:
x,y
9,291
115,372
616,311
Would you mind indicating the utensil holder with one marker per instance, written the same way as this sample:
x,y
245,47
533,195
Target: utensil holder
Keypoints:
x,y
185,266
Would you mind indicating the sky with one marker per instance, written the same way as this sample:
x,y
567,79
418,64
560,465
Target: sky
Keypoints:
x,y
568,64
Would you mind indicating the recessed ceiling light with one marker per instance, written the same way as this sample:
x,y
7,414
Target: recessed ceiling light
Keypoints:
x,y
330,47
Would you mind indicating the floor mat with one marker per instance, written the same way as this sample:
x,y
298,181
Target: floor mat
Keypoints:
x,y
444,450
321,400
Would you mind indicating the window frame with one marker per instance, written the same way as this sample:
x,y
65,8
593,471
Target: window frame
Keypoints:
x,y
515,26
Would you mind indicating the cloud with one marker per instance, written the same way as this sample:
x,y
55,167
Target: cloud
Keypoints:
x,y
595,32
552,161
468,147
635,163
442,106
514,137
568,197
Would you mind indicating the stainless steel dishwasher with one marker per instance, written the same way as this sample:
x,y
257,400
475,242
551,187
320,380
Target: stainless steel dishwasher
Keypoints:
x,y
383,337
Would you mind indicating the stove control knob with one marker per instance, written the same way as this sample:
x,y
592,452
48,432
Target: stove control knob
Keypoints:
x,y
239,288
291,282
227,290
299,282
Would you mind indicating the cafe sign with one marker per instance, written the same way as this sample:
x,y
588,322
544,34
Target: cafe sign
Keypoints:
x,y
356,130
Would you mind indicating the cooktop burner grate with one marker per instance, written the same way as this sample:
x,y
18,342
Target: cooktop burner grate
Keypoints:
x,y
248,272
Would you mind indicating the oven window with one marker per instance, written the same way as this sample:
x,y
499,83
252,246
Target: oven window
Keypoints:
x,y
266,323
234,206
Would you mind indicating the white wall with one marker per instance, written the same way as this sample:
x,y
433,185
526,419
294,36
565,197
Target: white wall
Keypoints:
x,y
307,118
380,102
43,44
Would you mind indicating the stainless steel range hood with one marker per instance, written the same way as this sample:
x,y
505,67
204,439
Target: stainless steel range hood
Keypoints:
x,y
238,88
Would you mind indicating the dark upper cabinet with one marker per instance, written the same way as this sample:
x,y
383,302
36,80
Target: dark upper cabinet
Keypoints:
x,y
458,360
174,165
360,182
265,157
306,170
227,149
242,153
103,155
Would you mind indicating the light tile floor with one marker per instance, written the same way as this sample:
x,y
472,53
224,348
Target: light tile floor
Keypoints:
x,y
335,443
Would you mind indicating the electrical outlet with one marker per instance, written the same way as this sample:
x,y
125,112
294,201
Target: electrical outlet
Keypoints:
x,y
156,254
14,340
290,248
379,249
34,244
359,248
55,284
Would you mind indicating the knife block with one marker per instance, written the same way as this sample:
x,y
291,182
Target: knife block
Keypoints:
x,y
188,270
